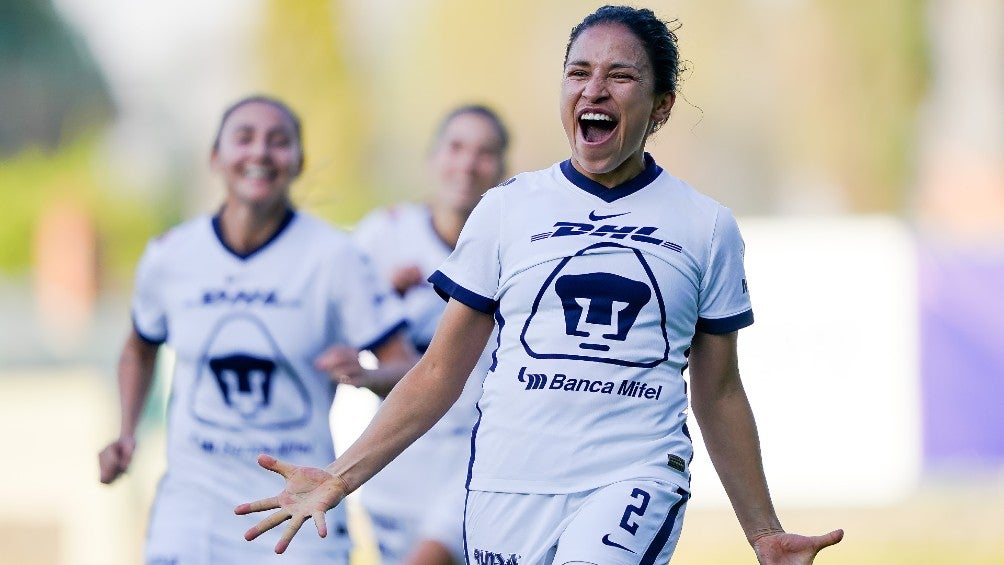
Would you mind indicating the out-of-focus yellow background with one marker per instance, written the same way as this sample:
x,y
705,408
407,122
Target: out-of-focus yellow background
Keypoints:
x,y
860,143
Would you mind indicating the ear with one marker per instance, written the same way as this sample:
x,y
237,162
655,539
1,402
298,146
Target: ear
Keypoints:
x,y
214,159
663,106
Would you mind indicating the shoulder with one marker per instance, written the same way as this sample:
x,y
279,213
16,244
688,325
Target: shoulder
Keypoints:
x,y
189,235
522,186
319,233
400,214
699,207
532,179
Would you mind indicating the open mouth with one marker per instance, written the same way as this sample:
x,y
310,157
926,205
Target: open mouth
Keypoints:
x,y
596,127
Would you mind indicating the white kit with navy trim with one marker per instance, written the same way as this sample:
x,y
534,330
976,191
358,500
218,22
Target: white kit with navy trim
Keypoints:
x,y
245,330
597,293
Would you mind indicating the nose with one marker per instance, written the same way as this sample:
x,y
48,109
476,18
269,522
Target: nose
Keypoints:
x,y
259,148
467,161
595,88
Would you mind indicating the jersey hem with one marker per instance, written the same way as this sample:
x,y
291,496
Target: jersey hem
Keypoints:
x,y
520,486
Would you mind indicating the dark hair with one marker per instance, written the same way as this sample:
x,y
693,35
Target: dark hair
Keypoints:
x,y
479,110
262,99
655,35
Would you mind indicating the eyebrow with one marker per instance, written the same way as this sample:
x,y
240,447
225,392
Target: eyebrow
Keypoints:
x,y
583,63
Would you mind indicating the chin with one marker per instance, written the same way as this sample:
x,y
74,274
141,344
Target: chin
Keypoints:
x,y
597,166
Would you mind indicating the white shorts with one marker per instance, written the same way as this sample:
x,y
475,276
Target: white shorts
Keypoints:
x,y
636,522
189,526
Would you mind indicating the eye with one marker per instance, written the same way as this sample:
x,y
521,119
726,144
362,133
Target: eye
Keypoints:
x,y
280,140
243,136
576,73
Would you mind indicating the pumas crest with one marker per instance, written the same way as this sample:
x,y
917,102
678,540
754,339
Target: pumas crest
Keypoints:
x,y
244,381
616,316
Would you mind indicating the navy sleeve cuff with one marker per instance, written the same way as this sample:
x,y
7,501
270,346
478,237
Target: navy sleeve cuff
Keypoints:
x,y
725,325
402,325
447,289
145,338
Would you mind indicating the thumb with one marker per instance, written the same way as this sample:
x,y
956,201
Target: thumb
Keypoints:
x,y
275,465
826,540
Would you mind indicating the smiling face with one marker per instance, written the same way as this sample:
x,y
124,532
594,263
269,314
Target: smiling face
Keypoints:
x,y
466,161
258,154
609,103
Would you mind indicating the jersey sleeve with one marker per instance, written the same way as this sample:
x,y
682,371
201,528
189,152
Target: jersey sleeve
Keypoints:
x,y
724,304
368,312
149,316
471,273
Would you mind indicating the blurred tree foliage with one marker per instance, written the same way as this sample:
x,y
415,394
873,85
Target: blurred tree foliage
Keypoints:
x,y
49,85
54,101
35,179
303,62
870,96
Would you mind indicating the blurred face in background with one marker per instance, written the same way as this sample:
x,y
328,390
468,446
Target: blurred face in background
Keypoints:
x,y
466,161
258,154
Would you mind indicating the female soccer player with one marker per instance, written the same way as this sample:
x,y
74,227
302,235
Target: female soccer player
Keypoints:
x,y
415,521
265,308
608,277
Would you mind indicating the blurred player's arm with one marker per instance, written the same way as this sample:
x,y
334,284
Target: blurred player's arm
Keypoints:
x,y
395,356
417,402
729,430
135,375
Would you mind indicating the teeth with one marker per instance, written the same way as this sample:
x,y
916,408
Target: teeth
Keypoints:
x,y
255,172
596,116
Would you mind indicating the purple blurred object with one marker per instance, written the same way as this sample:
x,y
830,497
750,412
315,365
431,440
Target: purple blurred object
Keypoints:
x,y
962,359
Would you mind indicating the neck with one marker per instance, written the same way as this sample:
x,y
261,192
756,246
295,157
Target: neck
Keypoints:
x,y
246,228
447,224
629,169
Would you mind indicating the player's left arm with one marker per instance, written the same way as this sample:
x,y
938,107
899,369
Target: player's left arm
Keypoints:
x,y
725,417
395,356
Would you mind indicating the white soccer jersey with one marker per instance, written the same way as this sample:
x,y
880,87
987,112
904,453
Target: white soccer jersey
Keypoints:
x,y
597,293
427,479
246,330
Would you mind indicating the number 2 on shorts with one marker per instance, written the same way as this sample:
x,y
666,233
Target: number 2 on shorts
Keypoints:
x,y
626,522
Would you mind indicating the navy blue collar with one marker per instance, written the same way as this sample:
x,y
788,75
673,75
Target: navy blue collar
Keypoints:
x,y
637,183
218,230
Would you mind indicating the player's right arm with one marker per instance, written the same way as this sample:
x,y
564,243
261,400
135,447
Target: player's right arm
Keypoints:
x,y
417,402
135,374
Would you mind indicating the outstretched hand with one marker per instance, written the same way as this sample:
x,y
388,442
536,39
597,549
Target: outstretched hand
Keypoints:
x,y
793,549
309,493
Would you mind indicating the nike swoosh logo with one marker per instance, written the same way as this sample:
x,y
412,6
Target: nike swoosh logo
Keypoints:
x,y
593,217
606,541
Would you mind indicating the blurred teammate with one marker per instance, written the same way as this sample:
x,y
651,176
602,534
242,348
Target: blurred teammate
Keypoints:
x,y
607,278
266,308
416,503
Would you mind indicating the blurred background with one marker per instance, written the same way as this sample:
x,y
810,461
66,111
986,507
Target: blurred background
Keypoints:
x,y
860,143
